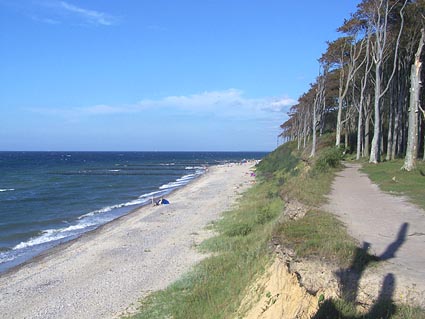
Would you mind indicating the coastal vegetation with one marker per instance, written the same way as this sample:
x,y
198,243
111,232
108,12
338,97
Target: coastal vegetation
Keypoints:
x,y
364,105
238,252
369,87
391,179
247,235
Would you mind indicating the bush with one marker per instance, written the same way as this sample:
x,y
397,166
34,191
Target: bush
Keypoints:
x,y
280,160
330,158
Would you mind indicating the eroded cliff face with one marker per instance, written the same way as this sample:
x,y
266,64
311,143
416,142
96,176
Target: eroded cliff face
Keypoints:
x,y
281,292
290,288
294,288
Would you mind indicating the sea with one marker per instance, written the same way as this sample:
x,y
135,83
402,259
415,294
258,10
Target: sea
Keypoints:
x,y
48,198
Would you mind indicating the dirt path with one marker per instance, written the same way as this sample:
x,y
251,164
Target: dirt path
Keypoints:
x,y
392,228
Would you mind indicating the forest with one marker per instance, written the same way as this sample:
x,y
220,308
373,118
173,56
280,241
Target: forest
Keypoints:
x,y
368,90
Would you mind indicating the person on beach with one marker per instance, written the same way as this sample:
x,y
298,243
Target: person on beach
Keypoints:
x,y
161,201
164,201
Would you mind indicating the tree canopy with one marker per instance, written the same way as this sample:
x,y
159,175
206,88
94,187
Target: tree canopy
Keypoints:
x,y
369,88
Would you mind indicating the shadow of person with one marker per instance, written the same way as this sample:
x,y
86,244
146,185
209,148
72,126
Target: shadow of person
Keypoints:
x,y
349,278
394,246
384,307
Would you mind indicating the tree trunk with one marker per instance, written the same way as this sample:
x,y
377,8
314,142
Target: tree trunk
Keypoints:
x,y
305,130
346,137
415,87
396,135
375,153
390,134
339,123
359,130
313,146
367,135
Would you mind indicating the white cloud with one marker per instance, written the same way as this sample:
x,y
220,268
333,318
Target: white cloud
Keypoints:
x,y
227,104
280,105
44,20
58,11
101,110
91,16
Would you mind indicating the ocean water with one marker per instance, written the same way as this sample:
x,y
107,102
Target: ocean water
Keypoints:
x,y
47,198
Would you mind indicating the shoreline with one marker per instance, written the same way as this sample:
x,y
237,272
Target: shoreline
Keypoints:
x,y
103,272
63,245
160,192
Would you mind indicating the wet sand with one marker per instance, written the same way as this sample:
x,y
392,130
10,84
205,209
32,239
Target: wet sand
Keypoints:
x,y
104,273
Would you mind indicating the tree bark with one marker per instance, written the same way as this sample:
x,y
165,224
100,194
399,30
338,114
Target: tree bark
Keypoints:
x,y
339,123
367,127
397,125
313,146
359,130
415,87
305,130
375,152
390,134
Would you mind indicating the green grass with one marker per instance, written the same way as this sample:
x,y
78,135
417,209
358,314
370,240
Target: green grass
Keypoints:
x,y
241,250
391,178
216,286
308,187
319,234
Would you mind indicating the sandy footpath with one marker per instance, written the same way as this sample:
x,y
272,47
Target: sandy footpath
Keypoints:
x,y
392,228
104,273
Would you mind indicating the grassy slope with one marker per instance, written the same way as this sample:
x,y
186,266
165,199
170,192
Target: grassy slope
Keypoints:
x,y
391,178
240,251
216,286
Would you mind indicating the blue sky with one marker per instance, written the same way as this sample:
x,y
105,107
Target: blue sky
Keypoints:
x,y
141,75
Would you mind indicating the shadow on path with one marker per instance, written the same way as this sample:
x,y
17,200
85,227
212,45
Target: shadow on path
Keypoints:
x,y
349,280
393,247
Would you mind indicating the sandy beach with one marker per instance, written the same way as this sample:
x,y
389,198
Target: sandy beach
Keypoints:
x,y
104,273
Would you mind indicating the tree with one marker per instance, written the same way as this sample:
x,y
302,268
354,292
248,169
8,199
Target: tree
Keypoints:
x,y
364,81
368,74
343,53
415,87
377,14
318,107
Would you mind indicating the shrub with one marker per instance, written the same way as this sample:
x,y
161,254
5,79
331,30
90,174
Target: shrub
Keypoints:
x,y
330,158
280,159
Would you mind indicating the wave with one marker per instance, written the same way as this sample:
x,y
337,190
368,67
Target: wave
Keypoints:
x,y
171,185
195,167
4,257
90,220
6,189
182,180
50,235
139,201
